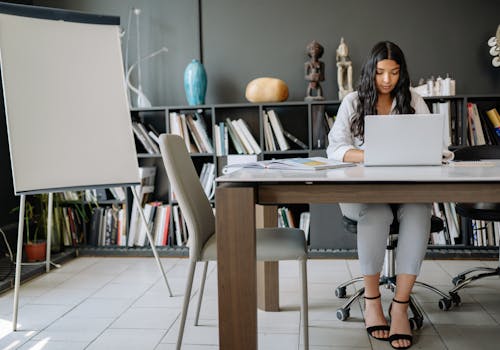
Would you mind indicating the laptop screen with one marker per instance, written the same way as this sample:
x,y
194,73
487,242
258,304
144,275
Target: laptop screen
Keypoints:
x,y
403,139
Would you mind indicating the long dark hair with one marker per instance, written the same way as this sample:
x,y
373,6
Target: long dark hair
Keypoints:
x,y
367,91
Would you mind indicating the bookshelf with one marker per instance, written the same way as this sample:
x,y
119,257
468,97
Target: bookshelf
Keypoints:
x,y
305,121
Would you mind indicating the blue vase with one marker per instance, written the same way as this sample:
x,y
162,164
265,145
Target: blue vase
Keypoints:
x,y
195,83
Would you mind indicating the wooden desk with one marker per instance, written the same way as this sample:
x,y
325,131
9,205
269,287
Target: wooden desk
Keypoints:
x,y
239,192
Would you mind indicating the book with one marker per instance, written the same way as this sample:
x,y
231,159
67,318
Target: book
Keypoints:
x,y
309,164
295,140
248,135
151,144
475,125
234,137
278,130
201,128
304,223
270,143
494,117
247,147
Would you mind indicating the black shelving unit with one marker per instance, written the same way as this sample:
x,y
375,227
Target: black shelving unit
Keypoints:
x,y
304,120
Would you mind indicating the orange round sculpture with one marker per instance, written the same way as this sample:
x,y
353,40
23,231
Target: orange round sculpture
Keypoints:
x,y
266,90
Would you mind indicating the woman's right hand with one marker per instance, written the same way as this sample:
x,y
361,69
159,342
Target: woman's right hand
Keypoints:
x,y
354,156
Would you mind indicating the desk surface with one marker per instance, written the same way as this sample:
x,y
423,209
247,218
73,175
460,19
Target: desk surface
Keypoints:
x,y
360,173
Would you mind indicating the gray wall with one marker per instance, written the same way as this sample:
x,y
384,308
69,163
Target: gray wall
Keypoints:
x,y
247,39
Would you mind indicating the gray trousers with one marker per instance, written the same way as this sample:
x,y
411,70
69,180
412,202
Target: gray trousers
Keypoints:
x,y
374,221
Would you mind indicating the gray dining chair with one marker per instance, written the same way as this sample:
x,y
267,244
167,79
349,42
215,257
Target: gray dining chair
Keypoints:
x,y
272,244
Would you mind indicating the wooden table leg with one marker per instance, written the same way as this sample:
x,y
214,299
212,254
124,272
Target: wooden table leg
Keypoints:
x,y
236,268
267,272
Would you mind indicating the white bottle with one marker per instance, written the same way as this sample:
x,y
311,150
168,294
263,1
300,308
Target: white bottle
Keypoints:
x,y
430,86
445,88
437,86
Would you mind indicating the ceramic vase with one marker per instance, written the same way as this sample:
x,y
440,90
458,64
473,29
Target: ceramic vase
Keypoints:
x,y
195,83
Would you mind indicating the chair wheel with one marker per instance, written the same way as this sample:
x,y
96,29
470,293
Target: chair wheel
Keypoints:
x,y
455,298
415,323
342,314
340,292
457,280
445,304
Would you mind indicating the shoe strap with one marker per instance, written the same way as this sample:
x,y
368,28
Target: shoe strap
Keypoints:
x,y
400,302
372,298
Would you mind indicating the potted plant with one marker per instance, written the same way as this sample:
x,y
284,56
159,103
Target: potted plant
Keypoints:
x,y
35,227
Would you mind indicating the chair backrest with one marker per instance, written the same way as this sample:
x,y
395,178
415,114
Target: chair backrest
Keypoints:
x,y
184,180
477,152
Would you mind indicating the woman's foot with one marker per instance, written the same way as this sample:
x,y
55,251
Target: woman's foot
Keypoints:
x,y
376,324
400,333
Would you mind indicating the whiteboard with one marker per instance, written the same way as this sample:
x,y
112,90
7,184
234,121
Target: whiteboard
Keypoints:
x,y
68,120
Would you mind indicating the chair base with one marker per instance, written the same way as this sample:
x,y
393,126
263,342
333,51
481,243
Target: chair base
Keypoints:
x,y
461,280
416,319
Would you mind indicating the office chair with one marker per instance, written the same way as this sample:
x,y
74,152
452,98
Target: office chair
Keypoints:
x,y
476,211
272,244
388,275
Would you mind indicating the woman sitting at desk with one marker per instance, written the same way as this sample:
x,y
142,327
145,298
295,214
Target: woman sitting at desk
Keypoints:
x,y
384,88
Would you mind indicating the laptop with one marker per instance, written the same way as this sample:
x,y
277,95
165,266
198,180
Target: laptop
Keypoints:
x,y
403,139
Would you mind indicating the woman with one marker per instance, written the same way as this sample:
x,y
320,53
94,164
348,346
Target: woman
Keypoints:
x,y
384,89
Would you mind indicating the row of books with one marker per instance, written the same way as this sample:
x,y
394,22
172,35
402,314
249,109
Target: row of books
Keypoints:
x,y
147,136
286,219
484,233
108,226
479,233
192,128
275,136
241,137
158,215
484,126
181,236
450,235
69,226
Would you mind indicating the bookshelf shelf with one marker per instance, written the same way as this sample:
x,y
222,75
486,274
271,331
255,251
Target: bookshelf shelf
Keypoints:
x,y
305,121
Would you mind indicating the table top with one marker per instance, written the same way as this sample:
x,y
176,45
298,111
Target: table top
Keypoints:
x,y
458,172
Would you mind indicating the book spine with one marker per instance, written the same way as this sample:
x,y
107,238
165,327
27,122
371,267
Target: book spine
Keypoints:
x,y
234,137
141,138
278,130
241,136
246,131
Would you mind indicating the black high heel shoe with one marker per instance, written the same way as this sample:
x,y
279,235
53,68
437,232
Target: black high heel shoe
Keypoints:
x,y
382,327
398,336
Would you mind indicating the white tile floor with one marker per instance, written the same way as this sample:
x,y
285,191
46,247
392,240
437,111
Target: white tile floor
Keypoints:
x,y
122,303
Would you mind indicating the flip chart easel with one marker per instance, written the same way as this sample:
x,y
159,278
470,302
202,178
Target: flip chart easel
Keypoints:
x,y
66,108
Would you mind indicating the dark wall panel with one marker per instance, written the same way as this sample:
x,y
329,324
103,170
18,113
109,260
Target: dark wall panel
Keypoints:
x,y
248,39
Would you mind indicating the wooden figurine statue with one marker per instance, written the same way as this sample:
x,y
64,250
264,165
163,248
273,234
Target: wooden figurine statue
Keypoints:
x,y
314,71
344,69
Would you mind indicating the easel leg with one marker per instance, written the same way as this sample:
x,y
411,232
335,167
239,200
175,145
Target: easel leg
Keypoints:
x,y
151,241
19,256
49,231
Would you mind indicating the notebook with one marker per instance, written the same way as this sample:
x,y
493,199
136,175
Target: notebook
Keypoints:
x,y
403,139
